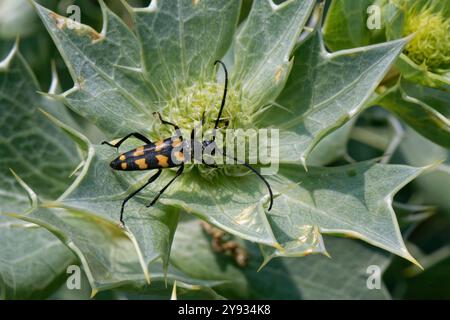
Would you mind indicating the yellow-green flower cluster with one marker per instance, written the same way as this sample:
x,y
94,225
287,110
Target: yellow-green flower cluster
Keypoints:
x,y
430,46
187,108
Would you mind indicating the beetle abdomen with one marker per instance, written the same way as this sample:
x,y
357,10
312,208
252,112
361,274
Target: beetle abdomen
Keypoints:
x,y
157,155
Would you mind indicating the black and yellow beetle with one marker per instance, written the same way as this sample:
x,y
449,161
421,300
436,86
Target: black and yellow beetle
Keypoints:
x,y
169,153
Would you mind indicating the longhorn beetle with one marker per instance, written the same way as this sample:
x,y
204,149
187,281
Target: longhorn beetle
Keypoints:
x,y
168,153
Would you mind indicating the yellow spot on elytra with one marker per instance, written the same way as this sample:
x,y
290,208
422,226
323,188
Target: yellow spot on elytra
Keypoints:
x,y
176,142
195,2
141,163
159,145
122,157
179,156
162,161
123,165
139,151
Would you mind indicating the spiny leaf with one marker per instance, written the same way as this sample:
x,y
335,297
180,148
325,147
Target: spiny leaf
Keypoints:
x,y
419,74
263,46
314,277
42,156
163,284
106,70
434,185
235,204
29,144
332,147
214,200
113,87
96,195
102,193
345,26
160,288
25,245
109,256
422,117
182,39
365,191
324,91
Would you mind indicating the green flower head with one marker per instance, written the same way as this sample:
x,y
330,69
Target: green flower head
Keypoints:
x,y
430,45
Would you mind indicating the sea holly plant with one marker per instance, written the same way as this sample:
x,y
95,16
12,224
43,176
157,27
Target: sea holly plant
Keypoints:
x,y
417,89
282,76
33,260
45,157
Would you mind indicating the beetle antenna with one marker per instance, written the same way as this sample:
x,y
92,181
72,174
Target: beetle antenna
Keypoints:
x,y
223,97
244,163
261,177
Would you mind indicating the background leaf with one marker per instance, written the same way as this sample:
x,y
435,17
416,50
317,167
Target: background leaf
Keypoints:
x,y
101,193
331,148
88,210
109,256
364,210
16,18
433,185
105,68
345,25
263,46
30,145
424,118
182,39
31,259
418,74
314,277
324,91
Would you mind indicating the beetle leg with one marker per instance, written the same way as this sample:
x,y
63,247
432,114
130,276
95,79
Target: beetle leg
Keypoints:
x,y
137,135
177,128
152,179
247,165
179,172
